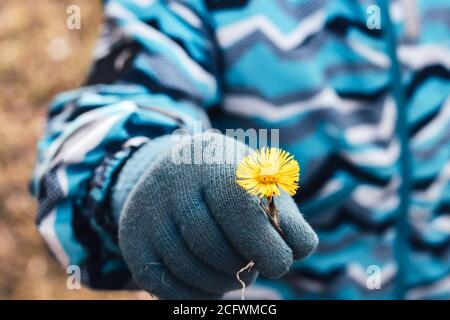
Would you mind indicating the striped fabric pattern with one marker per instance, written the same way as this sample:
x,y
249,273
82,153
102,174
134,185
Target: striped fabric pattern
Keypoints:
x,y
311,68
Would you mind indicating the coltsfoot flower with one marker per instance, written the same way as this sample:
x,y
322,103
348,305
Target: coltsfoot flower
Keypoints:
x,y
266,171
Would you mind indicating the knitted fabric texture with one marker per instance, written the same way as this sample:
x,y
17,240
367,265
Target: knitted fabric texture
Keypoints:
x,y
133,170
187,228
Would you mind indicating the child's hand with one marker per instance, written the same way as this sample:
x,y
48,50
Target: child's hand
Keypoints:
x,y
186,229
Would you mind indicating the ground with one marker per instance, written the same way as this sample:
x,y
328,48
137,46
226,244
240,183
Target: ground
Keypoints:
x,y
39,57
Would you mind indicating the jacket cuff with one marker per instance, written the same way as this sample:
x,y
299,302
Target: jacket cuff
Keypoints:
x,y
134,168
96,204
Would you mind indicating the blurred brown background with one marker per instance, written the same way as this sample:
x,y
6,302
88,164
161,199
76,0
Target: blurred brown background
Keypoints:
x,y
39,57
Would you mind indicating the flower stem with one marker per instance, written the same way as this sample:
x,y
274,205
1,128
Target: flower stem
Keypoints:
x,y
273,214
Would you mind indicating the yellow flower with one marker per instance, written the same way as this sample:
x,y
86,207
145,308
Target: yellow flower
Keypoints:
x,y
263,172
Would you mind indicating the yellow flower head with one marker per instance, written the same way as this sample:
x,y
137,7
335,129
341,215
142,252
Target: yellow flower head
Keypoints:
x,y
263,172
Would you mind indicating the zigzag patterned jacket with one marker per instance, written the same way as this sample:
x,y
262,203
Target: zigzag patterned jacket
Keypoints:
x,y
366,111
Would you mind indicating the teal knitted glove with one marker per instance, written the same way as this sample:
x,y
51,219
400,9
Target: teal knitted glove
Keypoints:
x,y
186,229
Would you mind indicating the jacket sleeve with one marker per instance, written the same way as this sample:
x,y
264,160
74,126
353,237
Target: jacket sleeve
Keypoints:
x,y
154,72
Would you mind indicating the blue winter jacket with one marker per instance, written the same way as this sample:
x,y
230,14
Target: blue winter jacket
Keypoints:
x,y
359,90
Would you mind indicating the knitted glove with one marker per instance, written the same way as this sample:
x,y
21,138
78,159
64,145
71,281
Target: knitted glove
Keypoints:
x,y
186,229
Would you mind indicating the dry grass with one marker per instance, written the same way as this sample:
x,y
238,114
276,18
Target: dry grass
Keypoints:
x,y
39,57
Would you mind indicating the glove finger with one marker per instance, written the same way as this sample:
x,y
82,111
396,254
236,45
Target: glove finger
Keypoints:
x,y
297,233
245,223
186,266
203,235
149,271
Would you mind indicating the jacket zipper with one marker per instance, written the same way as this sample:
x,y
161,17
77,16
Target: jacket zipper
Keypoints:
x,y
401,244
